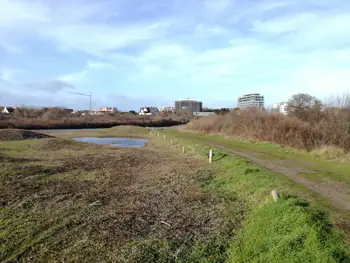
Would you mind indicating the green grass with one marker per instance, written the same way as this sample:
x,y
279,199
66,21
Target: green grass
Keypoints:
x,y
291,230
288,231
335,170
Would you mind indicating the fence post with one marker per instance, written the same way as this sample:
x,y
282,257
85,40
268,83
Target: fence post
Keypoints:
x,y
210,156
274,195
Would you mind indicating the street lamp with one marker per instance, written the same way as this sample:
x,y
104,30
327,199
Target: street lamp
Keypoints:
x,y
83,94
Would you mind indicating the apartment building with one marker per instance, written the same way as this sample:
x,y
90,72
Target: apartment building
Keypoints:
x,y
251,100
188,106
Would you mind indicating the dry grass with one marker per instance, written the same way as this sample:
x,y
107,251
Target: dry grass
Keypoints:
x,y
331,152
331,130
63,201
13,135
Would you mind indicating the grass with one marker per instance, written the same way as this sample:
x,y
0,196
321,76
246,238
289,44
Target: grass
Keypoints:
x,y
291,230
105,205
288,232
335,169
67,201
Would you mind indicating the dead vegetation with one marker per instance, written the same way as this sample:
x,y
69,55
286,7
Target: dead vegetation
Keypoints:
x,y
57,118
13,135
330,130
100,204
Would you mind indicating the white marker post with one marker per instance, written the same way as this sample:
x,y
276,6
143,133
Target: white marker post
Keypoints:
x,y
274,195
164,136
183,149
171,142
158,134
210,156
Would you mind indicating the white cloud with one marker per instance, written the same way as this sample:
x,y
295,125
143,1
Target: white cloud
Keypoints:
x,y
236,44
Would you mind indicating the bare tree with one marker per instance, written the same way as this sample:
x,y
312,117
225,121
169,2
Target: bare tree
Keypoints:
x,y
304,107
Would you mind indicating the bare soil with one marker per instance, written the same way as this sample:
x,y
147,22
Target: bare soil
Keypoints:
x,y
100,204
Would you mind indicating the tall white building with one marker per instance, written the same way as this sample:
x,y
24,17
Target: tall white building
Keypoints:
x,y
252,100
281,107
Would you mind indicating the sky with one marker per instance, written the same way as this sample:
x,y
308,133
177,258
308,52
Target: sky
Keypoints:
x,y
134,53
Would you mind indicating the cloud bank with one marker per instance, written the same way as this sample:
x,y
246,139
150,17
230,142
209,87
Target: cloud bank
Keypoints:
x,y
151,53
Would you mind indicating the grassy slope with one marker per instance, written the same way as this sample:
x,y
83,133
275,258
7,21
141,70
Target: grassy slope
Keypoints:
x,y
287,231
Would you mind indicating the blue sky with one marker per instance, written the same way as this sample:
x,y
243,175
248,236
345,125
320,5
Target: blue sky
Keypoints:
x,y
131,53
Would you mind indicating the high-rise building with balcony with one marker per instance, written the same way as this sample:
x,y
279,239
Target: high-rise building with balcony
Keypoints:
x,y
252,100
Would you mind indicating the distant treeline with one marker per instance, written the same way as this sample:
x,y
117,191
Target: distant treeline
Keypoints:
x,y
59,118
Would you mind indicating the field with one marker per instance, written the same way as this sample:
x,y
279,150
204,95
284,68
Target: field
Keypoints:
x,y
64,201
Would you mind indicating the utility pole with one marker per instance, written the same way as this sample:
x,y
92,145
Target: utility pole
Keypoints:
x,y
86,95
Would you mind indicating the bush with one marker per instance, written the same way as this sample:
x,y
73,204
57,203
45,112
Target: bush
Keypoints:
x,y
333,129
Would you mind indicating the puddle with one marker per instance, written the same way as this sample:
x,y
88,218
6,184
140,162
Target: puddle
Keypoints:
x,y
119,142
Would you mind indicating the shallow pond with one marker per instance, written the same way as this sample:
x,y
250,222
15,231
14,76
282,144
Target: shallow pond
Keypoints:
x,y
115,141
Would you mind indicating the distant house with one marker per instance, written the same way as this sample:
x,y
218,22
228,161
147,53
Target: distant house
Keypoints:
x,y
6,110
204,114
168,109
108,110
148,111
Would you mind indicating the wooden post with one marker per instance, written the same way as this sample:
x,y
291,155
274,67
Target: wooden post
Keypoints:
x,y
183,149
158,134
171,142
274,195
210,156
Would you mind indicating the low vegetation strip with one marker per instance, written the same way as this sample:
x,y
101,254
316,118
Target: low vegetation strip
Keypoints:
x,y
308,134
57,118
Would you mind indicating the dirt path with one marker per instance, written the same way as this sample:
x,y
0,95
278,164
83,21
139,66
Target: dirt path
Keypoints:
x,y
291,169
